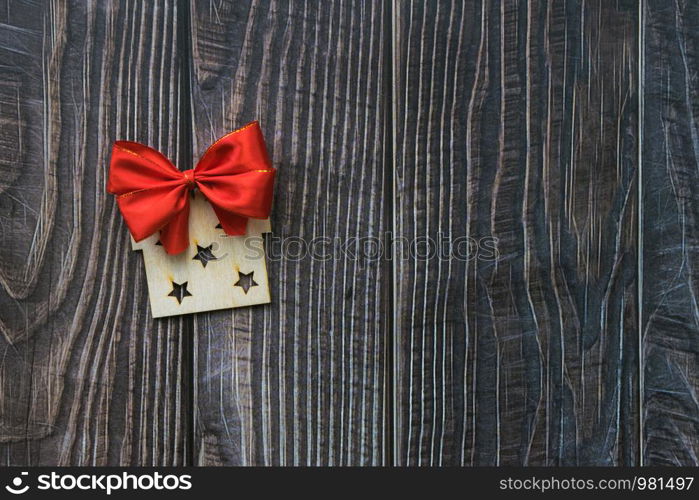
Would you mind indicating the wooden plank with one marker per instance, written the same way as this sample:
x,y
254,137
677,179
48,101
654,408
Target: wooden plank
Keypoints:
x,y
87,376
518,121
300,381
670,157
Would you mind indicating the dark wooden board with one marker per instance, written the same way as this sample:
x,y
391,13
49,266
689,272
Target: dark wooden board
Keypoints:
x,y
302,380
87,377
670,235
518,121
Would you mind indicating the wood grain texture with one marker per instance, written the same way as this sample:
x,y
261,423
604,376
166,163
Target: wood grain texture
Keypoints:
x,y
86,377
670,236
521,122
300,381
518,121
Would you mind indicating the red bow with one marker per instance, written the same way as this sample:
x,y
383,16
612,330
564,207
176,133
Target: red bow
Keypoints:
x,y
234,174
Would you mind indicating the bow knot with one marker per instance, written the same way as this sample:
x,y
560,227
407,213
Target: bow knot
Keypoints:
x,y
189,178
235,175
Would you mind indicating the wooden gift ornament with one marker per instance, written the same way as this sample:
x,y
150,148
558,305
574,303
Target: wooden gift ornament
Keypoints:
x,y
200,230
216,271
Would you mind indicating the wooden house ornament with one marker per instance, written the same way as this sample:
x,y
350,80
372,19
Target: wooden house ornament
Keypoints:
x,y
217,271
210,219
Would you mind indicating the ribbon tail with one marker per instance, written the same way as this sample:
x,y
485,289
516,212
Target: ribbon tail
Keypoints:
x,y
174,236
232,224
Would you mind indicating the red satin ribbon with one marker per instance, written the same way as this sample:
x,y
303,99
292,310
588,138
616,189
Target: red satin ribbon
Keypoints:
x,y
235,175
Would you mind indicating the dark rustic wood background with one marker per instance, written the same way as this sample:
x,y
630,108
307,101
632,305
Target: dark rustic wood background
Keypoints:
x,y
568,130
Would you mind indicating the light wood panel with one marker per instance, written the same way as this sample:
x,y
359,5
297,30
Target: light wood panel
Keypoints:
x,y
518,121
86,377
670,234
216,271
300,381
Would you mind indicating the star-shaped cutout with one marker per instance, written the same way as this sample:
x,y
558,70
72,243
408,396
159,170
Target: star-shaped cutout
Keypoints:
x,y
158,243
245,281
204,255
179,291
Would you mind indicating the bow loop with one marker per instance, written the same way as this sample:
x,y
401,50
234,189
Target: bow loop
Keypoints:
x,y
235,175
